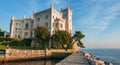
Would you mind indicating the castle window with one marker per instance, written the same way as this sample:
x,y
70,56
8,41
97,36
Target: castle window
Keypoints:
x,y
46,17
46,24
19,29
18,36
38,19
53,17
65,16
26,26
31,33
26,33
61,25
16,24
16,28
56,24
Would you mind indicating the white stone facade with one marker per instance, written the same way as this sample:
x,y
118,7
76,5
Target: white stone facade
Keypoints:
x,y
21,28
50,18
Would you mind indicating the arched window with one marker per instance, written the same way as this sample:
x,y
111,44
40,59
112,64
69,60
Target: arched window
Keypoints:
x,y
26,33
26,26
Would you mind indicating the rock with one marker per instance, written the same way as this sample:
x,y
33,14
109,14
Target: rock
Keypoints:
x,y
87,55
95,61
110,64
100,62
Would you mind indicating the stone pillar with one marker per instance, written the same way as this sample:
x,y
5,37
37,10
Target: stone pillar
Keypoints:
x,y
47,53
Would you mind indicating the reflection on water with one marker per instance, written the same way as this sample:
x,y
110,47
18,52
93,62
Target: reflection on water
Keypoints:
x,y
35,62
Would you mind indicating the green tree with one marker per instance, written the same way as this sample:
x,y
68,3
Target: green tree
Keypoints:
x,y
63,39
0,30
42,37
77,37
1,33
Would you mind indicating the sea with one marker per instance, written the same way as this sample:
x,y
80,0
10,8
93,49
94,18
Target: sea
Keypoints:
x,y
33,62
108,55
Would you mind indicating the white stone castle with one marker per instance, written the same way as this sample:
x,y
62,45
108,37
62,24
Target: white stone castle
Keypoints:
x,y
50,18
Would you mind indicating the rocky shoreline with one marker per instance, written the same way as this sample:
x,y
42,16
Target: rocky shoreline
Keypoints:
x,y
93,60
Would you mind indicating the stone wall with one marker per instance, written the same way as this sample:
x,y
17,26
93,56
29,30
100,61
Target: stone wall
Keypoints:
x,y
15,54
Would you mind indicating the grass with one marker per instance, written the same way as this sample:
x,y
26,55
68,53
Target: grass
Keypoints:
x,y
2,47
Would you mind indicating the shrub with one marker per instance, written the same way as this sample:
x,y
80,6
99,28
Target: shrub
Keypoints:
x,y
5,39
69,46
1,34
24,42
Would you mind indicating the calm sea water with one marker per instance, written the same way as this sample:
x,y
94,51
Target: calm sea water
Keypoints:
x,y
35,62
108,55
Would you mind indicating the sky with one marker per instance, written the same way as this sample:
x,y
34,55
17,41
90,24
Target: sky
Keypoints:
x,y
98,20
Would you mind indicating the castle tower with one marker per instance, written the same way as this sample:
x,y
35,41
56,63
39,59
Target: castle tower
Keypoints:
x,y
11,26
67,15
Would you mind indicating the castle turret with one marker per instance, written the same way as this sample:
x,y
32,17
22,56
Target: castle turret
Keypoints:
x,y
12,18
67,15
24,17
51,6
11,26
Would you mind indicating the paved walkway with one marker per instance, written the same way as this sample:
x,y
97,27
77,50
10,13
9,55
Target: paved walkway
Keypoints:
x,y
74,59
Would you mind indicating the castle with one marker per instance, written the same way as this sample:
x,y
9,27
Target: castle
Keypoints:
x,y
50,18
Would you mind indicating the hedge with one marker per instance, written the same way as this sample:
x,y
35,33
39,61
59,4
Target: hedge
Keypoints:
x,y
24,42
5,39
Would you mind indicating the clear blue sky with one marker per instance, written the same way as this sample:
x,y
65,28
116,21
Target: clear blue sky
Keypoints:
x,y
99,20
